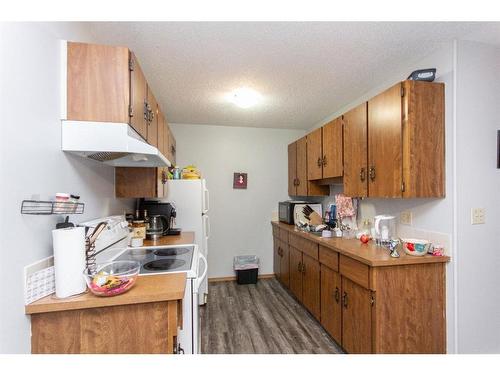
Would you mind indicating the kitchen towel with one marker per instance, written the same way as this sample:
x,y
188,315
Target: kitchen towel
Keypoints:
x,y
69,261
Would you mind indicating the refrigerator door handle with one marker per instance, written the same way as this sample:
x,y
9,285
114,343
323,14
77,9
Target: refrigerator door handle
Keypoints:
x,y
200,279
206,222
206,198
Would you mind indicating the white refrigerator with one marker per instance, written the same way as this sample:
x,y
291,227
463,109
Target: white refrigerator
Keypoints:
x,y
191,201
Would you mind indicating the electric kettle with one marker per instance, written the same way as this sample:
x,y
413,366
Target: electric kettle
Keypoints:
x,y
385,229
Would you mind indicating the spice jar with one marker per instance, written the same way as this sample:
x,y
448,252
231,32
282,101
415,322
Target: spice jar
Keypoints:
x,y
138,229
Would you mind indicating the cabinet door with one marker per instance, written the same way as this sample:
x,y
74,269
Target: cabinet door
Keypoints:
x,y
302,166
356,152
385,144
172,146
296,272
356,318
97,83
276,257
310,285
161,178
138,98
137,182
332,149
152,119
314,155
331,318
285,265
292,169
161,133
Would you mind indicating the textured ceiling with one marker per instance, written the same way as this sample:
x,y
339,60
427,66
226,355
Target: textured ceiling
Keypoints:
x,y
305,71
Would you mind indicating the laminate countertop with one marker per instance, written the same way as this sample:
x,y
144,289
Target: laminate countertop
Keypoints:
x,y
150,288
370,254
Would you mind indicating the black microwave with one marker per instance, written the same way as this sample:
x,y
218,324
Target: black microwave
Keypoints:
x,y
285,211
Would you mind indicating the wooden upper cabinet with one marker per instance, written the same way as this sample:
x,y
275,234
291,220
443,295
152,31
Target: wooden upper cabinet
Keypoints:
x,y
314,155
162,133
332,161
423,140
292,169
356,318
172,145
331,310
97,87
139,96
152,108
385,144
302,167
140,182
356,152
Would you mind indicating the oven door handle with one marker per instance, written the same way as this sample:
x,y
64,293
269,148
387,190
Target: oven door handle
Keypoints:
x,y
200,279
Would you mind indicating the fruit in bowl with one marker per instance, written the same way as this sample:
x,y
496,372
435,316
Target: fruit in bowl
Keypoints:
x,y
112,278
416,247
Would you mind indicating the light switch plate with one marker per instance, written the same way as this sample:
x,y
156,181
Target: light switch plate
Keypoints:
x,y
406,217
478,216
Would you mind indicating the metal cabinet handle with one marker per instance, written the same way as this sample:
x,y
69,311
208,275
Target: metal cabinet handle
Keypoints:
x,y
372,173
337,294
362,174
163,177
319,162
323,161
344,300
298,182
303,268
300,267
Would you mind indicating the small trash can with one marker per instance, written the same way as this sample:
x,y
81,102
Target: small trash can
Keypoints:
x,y
247,269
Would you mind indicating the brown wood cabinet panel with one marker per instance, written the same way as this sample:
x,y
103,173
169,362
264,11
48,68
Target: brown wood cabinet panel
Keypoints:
x,y
414,298
423,140
302,167
138,98
329,257
276,230
97,83
314,155
307,247
331,310
172,145
296,272
138,182
356,318
276,257
385,144
283,236
285,265
292,169
354,270
150,327
162,134
356,152
153,119
332,149
311,285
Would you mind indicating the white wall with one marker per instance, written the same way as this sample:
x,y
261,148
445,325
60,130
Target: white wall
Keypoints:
x,y
478,185
32,163
240,219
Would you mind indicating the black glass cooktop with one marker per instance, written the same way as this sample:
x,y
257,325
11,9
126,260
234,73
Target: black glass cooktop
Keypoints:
x,y
164,264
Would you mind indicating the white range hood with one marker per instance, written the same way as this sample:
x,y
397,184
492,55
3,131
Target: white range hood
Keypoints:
x,y
111,143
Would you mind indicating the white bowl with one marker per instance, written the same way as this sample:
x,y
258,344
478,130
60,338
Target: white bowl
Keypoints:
x,y
416,247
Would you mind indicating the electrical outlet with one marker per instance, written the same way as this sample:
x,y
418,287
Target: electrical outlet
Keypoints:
x,y
478,216
405,217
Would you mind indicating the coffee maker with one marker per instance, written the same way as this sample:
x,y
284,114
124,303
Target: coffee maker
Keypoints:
x,y
167,214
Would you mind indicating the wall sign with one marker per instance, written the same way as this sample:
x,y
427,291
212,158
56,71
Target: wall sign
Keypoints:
x,y
239,180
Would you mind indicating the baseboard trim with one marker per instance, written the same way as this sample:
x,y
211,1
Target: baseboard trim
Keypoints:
x,y
233,278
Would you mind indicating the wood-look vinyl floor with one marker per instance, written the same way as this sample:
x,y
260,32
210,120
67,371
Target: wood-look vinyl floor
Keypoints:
x,y
259,318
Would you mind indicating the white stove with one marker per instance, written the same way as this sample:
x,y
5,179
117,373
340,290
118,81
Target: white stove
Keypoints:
x,y
154,260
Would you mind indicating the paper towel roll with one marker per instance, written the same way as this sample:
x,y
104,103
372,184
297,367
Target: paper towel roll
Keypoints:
x,y
69,261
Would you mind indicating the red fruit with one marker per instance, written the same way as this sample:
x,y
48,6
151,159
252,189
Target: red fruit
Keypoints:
x,y
364,238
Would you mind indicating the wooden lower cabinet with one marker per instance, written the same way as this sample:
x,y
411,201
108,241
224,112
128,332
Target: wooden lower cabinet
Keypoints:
x,y
311,285
276,257
356,318
386,309
331,308
296,272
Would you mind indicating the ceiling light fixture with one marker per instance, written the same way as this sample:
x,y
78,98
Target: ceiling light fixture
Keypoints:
x,y
244,97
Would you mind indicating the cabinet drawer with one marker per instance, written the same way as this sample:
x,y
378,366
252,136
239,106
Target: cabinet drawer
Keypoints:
x,y
284,235
355,271
307,247
329,258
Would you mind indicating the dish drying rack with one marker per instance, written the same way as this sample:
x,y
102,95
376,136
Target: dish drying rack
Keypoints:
x,y
34,207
